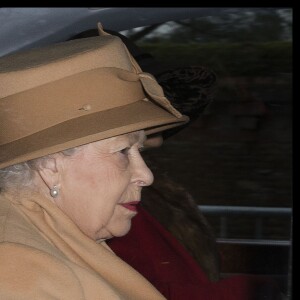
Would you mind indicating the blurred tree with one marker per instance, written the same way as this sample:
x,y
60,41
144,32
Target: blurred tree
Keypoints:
x,y
246,25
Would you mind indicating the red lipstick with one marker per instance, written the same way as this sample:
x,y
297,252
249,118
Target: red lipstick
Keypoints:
x,y
131,205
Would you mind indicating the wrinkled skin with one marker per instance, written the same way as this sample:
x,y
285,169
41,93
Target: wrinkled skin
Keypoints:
x,y
98,180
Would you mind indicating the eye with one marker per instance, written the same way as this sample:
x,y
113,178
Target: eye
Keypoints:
x,y
142,148
124,151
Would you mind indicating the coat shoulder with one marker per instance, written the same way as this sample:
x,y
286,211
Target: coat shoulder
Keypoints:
x,y
29,273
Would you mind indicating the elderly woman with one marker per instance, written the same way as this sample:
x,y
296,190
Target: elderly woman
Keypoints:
x,y
74,117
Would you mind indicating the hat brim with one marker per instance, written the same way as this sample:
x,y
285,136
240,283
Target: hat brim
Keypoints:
x,y
90,128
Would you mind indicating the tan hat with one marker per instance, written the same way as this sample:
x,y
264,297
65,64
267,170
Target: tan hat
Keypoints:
x,y
74,93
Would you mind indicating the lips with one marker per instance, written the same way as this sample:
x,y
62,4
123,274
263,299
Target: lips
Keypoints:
x,y
132,206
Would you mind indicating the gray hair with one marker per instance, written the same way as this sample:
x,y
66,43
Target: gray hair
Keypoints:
x,y
21,175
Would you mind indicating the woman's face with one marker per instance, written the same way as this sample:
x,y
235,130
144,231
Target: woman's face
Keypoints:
x,y
100,185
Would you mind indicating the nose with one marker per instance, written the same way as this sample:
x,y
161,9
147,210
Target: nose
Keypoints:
x,y
142,175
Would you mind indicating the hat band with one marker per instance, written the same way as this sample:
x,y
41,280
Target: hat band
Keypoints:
x,y
89,128
31,111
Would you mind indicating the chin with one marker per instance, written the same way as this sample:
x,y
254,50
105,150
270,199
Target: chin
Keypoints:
x,y
117,231
122,229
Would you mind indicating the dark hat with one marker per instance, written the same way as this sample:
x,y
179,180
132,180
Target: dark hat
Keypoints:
x,y
189,89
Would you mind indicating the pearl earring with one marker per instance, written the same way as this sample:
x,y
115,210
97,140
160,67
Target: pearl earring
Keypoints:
x,y
54,191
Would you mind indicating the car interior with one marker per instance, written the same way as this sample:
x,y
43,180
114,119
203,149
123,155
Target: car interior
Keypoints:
x,y
235,158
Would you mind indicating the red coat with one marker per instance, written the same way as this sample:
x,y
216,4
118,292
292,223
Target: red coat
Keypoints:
x,y
157,255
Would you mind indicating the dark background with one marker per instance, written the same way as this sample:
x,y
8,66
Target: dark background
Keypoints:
x,y
239,151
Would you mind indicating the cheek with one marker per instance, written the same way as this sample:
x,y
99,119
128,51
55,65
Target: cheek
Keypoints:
x,y
92,177
91,191
101,188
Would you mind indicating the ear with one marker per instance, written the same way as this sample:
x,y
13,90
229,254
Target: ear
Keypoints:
x,y
50,171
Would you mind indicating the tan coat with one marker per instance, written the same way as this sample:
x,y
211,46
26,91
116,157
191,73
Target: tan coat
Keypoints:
x,y
43,255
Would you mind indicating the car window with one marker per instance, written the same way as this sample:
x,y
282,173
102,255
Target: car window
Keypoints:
x,y
236,158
